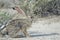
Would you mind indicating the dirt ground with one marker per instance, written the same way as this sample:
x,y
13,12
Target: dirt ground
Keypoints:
x,y
43,29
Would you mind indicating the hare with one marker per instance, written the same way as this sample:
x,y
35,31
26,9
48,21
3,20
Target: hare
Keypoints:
x,y
17,25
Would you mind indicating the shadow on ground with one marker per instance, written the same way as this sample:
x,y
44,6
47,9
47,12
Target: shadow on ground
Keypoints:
x,y
38,34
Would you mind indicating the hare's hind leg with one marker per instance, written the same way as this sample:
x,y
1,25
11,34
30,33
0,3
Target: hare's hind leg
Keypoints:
x,y
25,32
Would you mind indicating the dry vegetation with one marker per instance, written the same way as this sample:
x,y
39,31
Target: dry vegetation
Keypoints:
x,y
35,8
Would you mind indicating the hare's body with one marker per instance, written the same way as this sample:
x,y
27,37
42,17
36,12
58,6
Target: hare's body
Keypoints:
x,y
18,25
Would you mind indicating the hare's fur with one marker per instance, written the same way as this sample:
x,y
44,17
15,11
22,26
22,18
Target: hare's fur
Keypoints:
x,y
18,25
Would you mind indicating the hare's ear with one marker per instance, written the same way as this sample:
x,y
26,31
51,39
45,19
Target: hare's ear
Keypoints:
x,y
19,10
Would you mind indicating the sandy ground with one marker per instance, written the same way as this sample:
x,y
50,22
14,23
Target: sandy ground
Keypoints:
x,y
43,29
46,29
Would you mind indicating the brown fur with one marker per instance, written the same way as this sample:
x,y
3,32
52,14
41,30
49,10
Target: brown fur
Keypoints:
x,y
18,25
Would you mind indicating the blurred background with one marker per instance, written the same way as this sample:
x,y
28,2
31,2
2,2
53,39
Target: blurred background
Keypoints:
x,y
35,8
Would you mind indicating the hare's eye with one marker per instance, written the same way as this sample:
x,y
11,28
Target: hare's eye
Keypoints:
x,y
13,8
